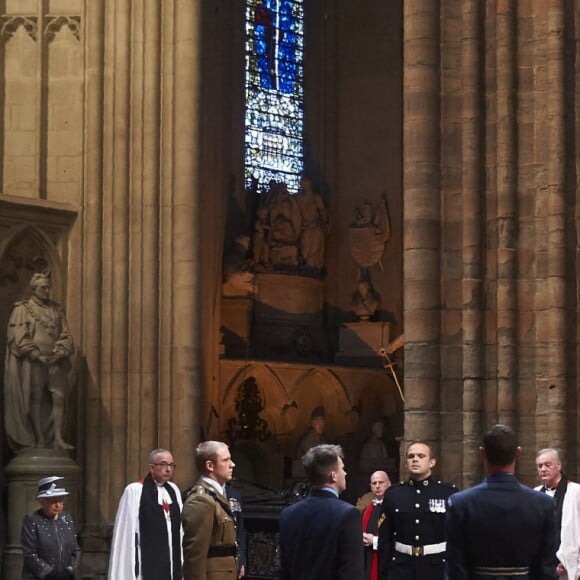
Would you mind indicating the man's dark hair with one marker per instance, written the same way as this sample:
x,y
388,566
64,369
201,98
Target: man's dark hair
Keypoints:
x,y
421,442
500,444
319,461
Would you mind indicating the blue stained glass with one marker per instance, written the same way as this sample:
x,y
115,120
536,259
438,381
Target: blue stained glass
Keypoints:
x,y
274,92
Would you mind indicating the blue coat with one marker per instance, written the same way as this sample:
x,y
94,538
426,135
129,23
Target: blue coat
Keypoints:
x,y
500,523
321,539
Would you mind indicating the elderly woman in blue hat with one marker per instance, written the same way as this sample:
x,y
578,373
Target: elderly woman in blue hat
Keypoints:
x,y
48,539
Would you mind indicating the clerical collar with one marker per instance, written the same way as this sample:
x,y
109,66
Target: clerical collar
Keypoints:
x,y
215,485
553,487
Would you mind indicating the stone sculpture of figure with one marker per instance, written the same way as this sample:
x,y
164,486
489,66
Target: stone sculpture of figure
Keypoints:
x,y
315,435
363,215
237,269
38,350
261,229
284,217
314,225
365,300
374,454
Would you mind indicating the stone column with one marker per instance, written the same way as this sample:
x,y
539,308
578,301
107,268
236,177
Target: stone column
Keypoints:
x,y
552,326
421,244
472,242
507,232
95,430
140,220
143,359
181,397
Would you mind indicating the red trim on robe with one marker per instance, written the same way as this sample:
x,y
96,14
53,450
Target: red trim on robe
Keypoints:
x,y
375,561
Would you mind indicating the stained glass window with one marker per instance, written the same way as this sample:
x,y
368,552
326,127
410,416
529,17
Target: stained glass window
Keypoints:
x,y
274,92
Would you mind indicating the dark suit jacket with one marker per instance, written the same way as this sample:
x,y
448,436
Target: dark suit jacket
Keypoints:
x,y
498,523
321,539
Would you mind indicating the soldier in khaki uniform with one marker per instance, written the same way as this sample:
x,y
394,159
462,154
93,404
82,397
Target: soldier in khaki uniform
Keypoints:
x,y
209,541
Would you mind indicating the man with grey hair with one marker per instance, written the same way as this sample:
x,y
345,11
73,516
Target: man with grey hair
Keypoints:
x,y
566,495
209,541
38,349
320,536
147,534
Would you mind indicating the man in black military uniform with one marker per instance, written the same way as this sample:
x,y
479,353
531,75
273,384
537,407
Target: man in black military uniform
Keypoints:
x,y
412,536
500,529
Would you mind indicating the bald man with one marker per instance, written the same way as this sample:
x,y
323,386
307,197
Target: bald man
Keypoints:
x,y
566,496
371,520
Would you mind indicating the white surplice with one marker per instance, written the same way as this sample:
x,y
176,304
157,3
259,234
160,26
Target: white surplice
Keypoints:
x,y
125,546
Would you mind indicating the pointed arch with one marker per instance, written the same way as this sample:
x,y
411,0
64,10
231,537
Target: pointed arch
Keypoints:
x,y
48,250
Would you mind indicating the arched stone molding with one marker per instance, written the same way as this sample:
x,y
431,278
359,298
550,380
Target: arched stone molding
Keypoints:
x,y
10,24
50,253
54,24
321,387
274,394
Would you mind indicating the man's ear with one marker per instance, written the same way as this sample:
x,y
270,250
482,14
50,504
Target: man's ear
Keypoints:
x,y
518,452
209,465
482,454
432,462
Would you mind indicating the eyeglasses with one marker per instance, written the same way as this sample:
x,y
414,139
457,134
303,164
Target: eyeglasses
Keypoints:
x,y
164,464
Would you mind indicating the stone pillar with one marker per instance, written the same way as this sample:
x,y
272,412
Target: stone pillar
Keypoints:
x,y
182,395
422,228
507,227
96,430
553,331
472,242
140,221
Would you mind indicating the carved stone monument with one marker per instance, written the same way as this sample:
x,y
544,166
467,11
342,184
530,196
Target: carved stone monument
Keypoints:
x,y
38,350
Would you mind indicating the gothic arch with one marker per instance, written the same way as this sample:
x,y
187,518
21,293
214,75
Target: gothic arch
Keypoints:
x,y
13,259
275,396
322,388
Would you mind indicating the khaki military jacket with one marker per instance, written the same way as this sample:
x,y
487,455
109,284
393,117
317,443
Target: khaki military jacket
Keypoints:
x,y
209,535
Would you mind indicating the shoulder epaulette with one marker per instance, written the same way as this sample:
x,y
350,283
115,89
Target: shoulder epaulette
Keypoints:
x,y
197,489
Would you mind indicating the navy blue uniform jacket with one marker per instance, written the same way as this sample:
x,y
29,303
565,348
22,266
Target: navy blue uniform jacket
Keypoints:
x,y
321,539
414,515
500,523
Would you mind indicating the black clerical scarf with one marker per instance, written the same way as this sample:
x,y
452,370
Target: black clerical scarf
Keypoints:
x,y
373,523
559,501
155,562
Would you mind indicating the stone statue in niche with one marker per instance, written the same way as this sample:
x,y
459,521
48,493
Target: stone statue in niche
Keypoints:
x,y
368,234
285,222
249,404
315,435
374,454
315,225
238,268
38,350
290,231
365,300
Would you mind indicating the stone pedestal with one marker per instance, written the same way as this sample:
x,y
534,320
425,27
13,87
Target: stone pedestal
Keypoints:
x,y
22,475
361,341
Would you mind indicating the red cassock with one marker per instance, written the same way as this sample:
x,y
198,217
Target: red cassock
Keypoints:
x,y
365,522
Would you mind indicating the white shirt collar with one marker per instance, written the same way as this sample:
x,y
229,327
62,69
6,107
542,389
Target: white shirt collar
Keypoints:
x,y
215,485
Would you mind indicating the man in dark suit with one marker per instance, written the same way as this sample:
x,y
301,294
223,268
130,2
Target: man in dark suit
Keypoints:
x,y
500,528
320,536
